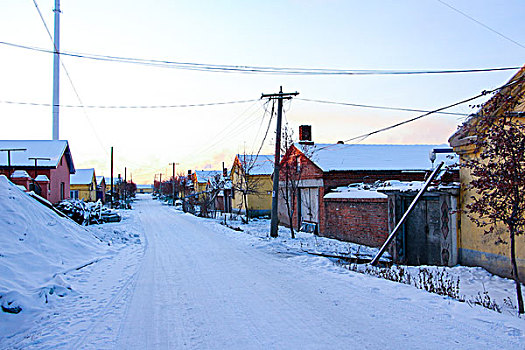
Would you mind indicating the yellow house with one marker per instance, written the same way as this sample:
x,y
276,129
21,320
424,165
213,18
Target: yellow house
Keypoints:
x,y
476,248
200,179
145,189
252,184
83,185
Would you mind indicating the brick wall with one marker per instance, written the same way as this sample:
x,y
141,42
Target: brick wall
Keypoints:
x,y
358,220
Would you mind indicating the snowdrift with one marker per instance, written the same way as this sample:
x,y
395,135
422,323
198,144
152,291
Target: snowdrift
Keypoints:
x,y
36,246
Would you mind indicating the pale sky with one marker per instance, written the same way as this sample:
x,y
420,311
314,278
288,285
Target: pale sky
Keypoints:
x,y
345,34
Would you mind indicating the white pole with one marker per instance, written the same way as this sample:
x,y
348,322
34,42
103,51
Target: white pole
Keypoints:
x,y
56,71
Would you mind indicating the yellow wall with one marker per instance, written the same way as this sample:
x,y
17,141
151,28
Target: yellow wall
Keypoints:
x,y
200,186
86,192
260,203
475,246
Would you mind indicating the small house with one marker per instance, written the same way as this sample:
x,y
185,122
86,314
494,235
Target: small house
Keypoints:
x,y
48,163
317,169
251,177
145,188
101,188
84,185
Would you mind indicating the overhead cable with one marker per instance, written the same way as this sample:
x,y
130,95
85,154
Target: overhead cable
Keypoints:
x,y
375,107
481,24
483,93
245,69
131,107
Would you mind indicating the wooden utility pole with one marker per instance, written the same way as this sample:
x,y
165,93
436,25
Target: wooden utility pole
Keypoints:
x,y
274,228
173,182
111,180
125,183
160,184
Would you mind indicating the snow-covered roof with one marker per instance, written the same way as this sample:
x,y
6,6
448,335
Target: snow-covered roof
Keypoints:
x,y
42,178
18,174
141,186
99,180
343,157
53,149
356,193
257,165
204,175
82,177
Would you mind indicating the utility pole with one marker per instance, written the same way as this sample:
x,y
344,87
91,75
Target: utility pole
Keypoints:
x,y
160,184
125,183
56,71
111,181
274,228
173,182
9,150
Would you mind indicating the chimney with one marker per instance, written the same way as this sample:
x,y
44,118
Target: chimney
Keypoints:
x,y
305,135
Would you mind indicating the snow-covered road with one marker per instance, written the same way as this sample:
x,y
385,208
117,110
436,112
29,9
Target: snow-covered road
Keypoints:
x,y
198,288
194,284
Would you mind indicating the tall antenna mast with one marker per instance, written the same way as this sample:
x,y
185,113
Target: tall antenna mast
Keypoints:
x,y
56,71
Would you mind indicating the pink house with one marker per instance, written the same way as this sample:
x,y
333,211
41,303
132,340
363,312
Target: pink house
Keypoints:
x,y
53,162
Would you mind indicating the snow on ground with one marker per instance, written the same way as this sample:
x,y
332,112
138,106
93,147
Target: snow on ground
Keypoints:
x,y
474,282
194,283
39,254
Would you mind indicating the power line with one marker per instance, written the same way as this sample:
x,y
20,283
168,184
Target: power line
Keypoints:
x,y
481,24
483,93
267,129
130,107
245,69
376,107
228,130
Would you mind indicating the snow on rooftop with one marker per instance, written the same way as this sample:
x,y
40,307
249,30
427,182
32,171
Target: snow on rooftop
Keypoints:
x,y
18,174
204,175
258,165
42,178
82,176
53,149
341,157
142,186
99,179
355,193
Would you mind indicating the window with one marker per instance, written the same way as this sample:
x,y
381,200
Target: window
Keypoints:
x,y
73,194
62,191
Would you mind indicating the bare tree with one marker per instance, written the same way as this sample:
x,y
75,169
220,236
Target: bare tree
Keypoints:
x,y
499,182
290,175
248,184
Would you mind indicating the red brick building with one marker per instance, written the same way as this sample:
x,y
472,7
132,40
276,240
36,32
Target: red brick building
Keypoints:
x,y
53,159
320,168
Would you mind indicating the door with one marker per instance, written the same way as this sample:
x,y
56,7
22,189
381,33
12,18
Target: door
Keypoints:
x,y
310,204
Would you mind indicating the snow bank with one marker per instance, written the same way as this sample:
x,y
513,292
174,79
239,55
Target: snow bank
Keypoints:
x,y
36,245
